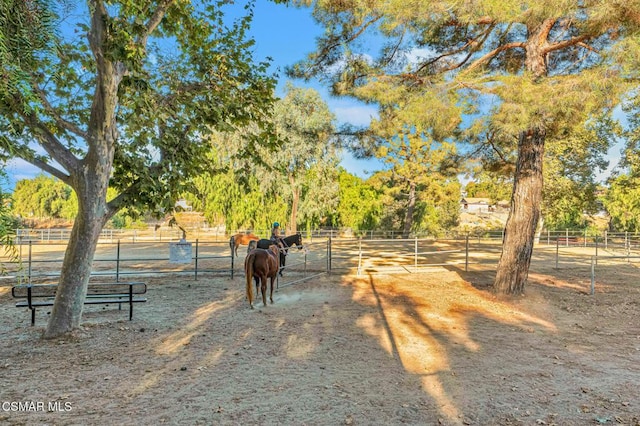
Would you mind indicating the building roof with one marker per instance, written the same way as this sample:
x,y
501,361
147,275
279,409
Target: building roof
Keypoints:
x,y
470,200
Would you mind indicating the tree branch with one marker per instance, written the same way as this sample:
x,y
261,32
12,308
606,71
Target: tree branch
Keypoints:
x,y
50,143
58,119
476,47
566,43
349,39
44,166
155,20
56,149
490,55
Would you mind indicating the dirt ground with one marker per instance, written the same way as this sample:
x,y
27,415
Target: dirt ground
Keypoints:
x,y
429,348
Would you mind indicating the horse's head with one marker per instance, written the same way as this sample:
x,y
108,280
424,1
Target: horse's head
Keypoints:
x,y
298,241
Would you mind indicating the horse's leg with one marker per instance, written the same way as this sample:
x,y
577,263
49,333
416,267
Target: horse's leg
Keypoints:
x,y
248,269
257,279
283,258
263,287
273,278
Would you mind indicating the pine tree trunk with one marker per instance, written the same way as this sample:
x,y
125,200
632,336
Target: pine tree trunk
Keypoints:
x,y
520,229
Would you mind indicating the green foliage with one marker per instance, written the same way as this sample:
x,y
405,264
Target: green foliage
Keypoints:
x,y
359,206
496,187
8,225
437,204
239,205
304,169
420,181
622,202
25,30
294,178
44,197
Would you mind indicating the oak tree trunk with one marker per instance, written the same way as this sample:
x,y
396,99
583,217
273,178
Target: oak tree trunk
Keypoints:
x,y
520,229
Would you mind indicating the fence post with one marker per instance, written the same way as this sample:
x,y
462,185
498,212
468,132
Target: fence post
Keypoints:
x,y
196,262
232,264
29,273
466,255
118,261
329,254
606,245
359,256
596,249
593,277
557,250
566,240
415,258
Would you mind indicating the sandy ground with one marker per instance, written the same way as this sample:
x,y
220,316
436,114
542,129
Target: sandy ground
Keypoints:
x,y
429,348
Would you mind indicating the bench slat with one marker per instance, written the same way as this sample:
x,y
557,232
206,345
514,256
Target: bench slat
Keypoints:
x,y
49,290
25,304
108,301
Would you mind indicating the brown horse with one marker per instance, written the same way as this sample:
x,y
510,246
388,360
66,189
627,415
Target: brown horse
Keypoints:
x,y
260,265
240,239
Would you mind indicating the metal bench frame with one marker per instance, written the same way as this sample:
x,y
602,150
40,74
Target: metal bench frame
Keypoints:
x,y
38,295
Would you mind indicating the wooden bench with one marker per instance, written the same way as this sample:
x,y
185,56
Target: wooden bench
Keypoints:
x,y
37,295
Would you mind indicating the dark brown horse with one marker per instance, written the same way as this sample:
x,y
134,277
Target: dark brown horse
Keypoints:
x,y
287,242
260,265
240,239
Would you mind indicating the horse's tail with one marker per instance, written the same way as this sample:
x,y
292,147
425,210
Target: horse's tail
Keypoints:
x,y
232,243
248,270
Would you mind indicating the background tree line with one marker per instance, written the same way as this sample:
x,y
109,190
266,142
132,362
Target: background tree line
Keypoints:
x,y
237,199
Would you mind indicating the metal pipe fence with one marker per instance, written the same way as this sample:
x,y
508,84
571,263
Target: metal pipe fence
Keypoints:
x,y
40,261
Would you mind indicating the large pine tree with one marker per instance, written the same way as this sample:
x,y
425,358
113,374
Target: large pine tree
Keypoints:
x,y
525,72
